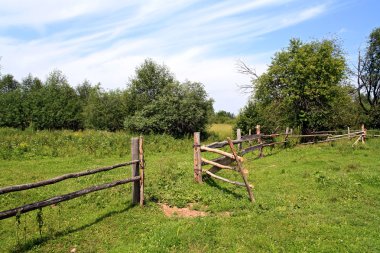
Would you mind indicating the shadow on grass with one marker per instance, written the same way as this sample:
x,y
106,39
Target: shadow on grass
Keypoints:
x,y
211,182
38,241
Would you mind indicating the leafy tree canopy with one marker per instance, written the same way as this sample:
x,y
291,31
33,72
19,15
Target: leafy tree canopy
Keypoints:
x,y
161,104
148,83
368,79
303,87
223,117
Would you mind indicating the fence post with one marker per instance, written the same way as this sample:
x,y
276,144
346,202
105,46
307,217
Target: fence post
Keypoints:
x,y
142,168
197,158
259,139
238,137
364,134
286,135
258,133
348,132
135,171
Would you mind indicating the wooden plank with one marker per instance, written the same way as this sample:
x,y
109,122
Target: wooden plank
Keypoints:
x,y
360,137
364,135
286,133
222,144
328,140
142,169
221,166
197,158
344,135
252,148
226,180
258,133
220,152
324,132
135,171
61,198
240,168
63,177
333,138
273,143
221,160
309,135
238,137
269,135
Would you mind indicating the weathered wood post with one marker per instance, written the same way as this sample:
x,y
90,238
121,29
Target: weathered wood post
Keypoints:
x,y
238,137
286,136
142,168
348,133
241,170
197,158
364,134
259,140
258,133
135,171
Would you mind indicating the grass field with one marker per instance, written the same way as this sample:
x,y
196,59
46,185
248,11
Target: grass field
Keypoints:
x,y
222,131
321,198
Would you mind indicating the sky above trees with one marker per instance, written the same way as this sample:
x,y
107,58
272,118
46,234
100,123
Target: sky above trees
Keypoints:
x,y
104,41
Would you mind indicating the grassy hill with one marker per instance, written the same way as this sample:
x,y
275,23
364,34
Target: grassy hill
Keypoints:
x,y
321,198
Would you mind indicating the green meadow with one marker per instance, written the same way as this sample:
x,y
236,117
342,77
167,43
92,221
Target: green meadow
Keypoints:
x,y
315,198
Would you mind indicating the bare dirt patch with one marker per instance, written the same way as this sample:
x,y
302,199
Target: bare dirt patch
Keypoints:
x,y
181,212
187,212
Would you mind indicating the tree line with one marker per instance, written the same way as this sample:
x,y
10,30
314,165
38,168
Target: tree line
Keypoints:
x,y
310,86
153,102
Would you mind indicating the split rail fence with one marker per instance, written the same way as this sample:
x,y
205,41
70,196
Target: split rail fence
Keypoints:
x,y
256,141
137,181
226,159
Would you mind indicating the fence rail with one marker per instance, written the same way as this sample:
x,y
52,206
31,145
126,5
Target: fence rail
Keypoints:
x,y
137,179
61,178
61,198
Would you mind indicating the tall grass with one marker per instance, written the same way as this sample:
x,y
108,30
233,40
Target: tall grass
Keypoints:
x,y
221,131
17,144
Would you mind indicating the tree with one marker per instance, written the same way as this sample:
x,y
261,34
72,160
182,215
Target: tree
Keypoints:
x,y
8,84
161,104
11,103
183,108
104,110
148,83
302,87
56,104
222,116
368,78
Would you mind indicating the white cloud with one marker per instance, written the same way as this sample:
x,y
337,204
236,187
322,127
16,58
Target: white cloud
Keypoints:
x,y
188,38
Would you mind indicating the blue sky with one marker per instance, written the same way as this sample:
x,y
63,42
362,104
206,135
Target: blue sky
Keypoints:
x,y
105,40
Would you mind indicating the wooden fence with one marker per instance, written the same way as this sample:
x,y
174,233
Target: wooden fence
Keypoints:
x,y
329,136
226,159
137,181
256,141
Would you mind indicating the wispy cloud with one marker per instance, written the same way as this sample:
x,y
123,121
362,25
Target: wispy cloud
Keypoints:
x,y
105,40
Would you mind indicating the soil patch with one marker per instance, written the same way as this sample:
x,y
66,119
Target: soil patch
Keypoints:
x,y
187,212
181,212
